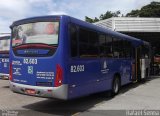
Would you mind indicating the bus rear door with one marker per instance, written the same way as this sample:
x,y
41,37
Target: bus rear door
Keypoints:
x,y
136,64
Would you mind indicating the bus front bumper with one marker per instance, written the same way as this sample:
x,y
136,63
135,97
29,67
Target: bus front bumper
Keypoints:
x,y
60,92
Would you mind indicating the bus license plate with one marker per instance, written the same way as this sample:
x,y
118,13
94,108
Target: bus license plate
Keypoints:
x,y
30,91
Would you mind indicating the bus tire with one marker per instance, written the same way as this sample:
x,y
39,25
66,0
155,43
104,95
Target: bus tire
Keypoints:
x,y
116,85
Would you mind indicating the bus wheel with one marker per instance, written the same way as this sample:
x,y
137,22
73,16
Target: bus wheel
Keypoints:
x,y
116,85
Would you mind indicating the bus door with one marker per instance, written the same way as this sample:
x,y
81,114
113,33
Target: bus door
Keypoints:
x,y
145,61
136,64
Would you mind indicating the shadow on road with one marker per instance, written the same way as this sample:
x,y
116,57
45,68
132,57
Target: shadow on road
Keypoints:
x,y
131,86
58,107
4,83
5,87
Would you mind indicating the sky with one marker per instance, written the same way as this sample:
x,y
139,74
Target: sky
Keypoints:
x,y
12,10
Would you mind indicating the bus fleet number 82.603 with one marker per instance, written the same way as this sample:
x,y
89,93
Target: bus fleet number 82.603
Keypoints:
x,y
77,68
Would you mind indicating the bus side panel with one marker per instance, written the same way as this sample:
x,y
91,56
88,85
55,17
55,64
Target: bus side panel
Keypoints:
x,y
82,76
126,71
93,79
121,67
4,66
87,89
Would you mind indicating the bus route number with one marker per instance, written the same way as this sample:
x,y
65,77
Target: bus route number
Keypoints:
x,y
78,68
30,61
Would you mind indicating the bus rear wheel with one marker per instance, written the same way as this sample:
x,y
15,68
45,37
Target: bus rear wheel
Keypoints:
x,y
115,86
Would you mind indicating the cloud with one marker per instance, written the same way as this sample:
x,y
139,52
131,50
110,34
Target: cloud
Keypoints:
x,y
57,13
4,26
11,10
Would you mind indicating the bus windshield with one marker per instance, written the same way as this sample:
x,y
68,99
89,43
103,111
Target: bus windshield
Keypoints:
x,y
38,32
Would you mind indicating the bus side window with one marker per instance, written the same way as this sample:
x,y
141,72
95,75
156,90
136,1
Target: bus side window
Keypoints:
x,y
102,43
93,45
105,43
116,51
73,39
83,42
118,48
88,43
109,46
127,49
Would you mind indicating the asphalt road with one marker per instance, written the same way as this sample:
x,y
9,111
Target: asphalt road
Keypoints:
x,y
137,96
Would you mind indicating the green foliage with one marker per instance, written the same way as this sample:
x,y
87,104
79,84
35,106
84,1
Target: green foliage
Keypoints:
x,y
107,15
87,19
150,10
133,13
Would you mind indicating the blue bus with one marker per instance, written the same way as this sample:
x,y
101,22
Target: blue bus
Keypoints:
x,y
4,56
65,58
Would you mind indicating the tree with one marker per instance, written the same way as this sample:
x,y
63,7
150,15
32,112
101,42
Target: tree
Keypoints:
x,y
133,13
107,15
87,19
96,19
150,10
116,14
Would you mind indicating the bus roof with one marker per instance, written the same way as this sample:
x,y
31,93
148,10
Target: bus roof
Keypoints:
x,y
4,37
115,34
